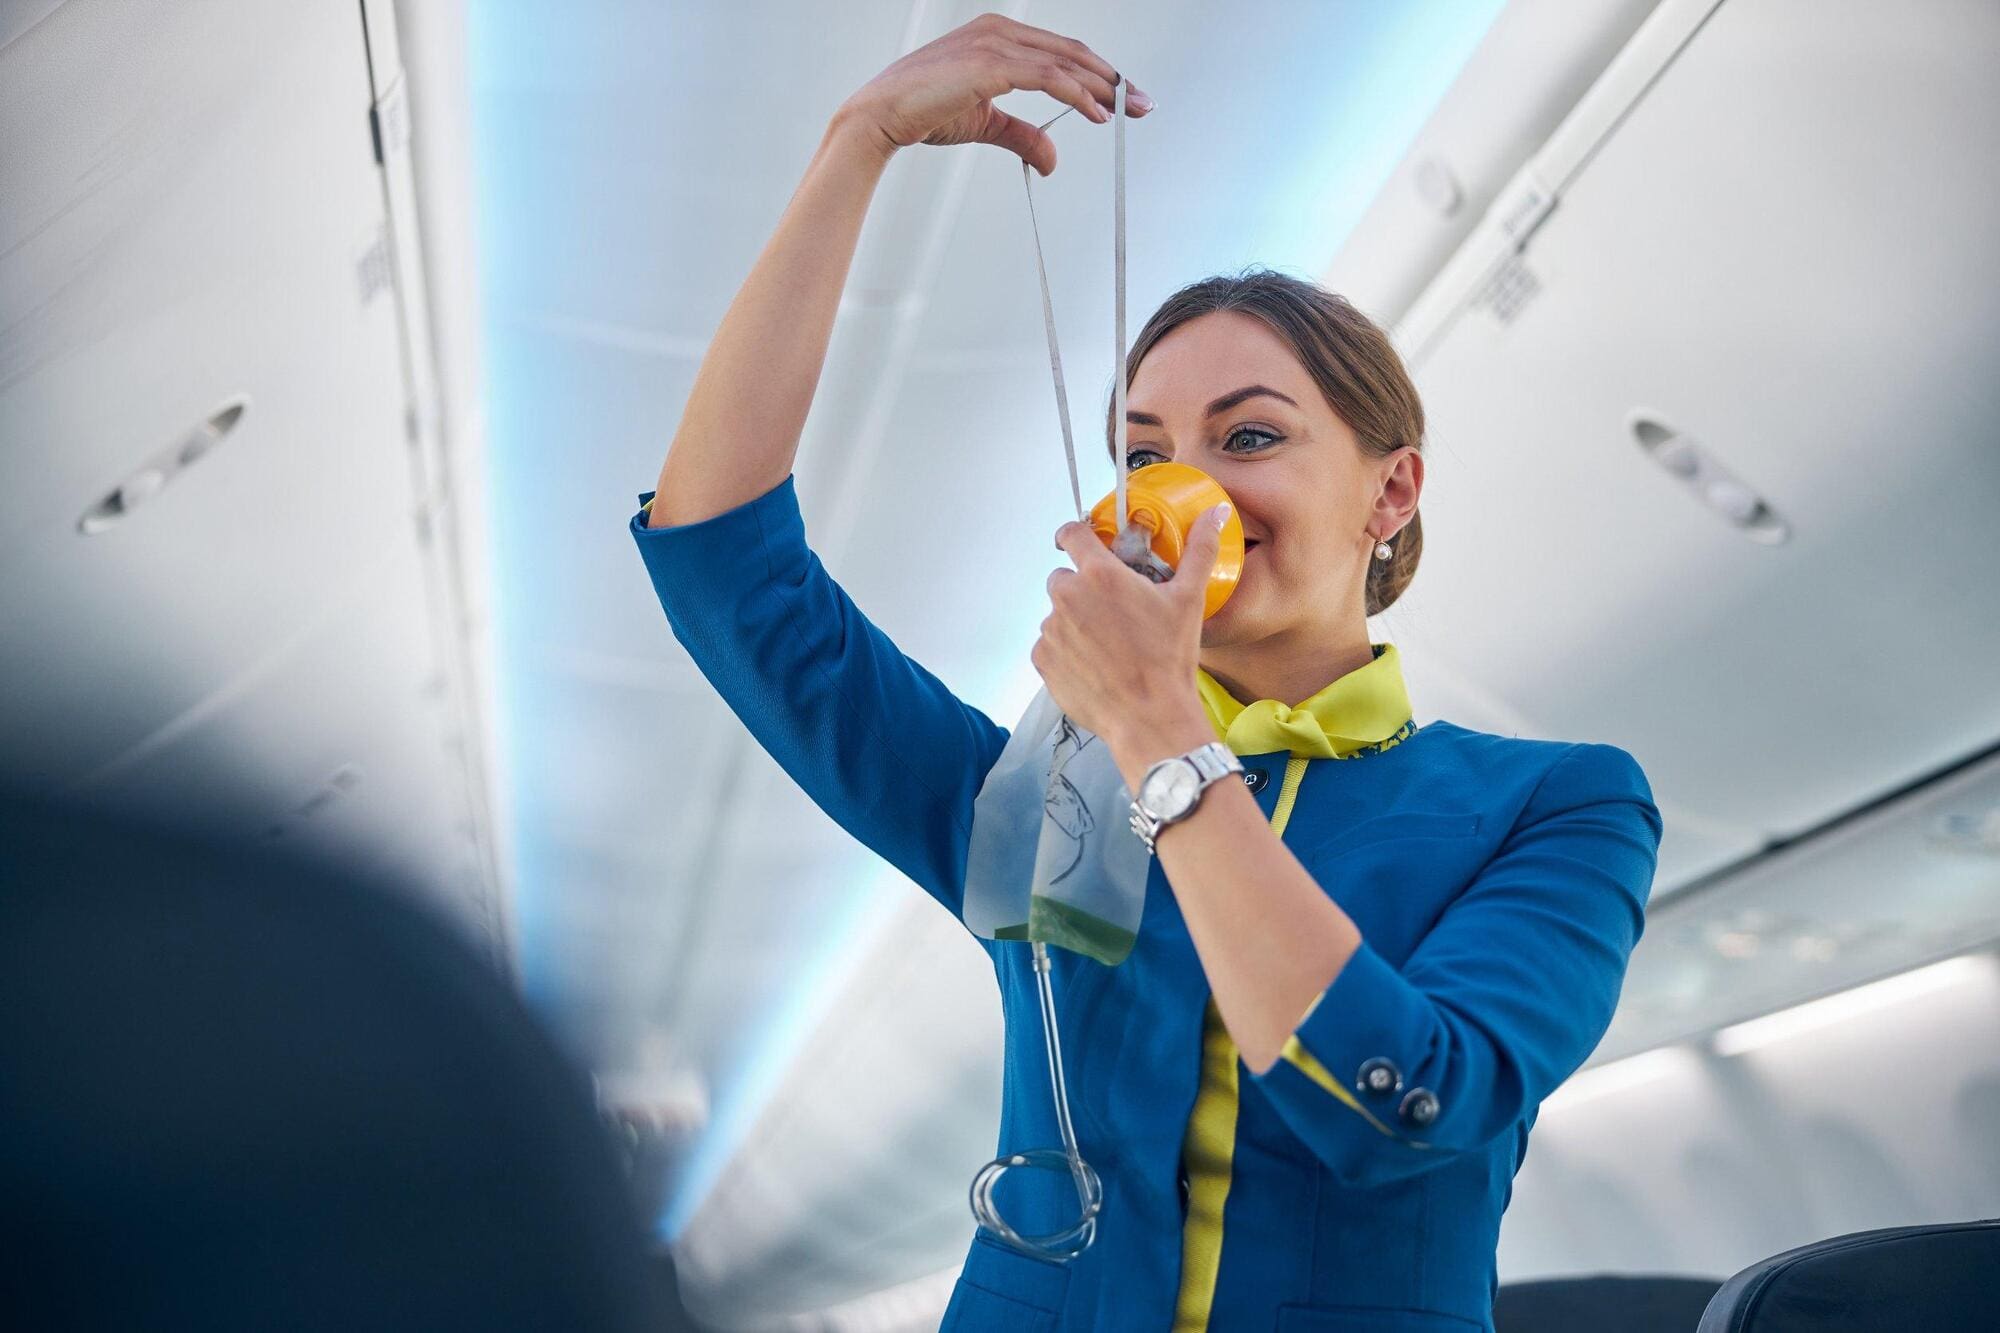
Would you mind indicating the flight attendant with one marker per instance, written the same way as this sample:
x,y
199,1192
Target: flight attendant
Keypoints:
x,y
1364,961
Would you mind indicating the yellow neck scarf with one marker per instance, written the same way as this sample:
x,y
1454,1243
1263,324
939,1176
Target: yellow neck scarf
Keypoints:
x,y
1365,710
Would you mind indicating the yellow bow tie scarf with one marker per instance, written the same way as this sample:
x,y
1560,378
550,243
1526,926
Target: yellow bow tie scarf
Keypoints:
x,y
1365,711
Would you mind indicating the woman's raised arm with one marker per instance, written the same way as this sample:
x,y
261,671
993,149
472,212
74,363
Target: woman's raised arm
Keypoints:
x,y
740,430
875,740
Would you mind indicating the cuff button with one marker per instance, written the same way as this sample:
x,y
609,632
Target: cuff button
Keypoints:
x,y
1420,1107
1379,1077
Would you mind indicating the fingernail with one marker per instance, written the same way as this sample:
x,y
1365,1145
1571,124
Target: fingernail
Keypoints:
x,y
1221,516
1135,98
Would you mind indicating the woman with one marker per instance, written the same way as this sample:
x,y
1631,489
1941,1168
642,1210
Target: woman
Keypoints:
x,y
1361,967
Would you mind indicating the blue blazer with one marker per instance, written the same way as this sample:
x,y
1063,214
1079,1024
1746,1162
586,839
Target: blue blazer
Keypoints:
x,y
1499,885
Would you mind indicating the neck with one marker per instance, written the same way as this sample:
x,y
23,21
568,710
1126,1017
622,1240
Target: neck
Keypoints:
x,y
1287,672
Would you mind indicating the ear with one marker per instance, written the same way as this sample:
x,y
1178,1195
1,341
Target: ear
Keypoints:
x,y
1402,487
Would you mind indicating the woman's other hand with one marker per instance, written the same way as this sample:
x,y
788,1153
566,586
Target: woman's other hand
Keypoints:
x,y
943,93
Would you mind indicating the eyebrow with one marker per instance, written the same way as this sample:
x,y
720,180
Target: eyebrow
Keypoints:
x,y
1222,404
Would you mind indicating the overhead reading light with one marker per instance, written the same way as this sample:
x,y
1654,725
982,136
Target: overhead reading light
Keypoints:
x,y
1685,460
1843,1005
1618,1075
151,477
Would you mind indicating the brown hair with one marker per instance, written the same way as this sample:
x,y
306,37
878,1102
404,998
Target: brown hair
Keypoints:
x,y
1348,356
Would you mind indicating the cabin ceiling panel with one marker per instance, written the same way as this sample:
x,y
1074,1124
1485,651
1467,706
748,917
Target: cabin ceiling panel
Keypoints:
x,y
193,219
956,530
803,1217
578,430
341,744
1769,686
1916,879
700,120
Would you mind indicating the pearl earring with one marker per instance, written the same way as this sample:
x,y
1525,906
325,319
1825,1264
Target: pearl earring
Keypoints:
x,y
1382,551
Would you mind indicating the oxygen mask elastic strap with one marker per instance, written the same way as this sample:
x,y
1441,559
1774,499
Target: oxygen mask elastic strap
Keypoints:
x,y
1073,1240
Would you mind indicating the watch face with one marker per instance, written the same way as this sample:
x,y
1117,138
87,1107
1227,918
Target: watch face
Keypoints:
x,y
1169,790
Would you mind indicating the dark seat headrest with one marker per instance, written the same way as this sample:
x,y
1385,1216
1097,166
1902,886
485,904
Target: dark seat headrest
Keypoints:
x,y
1630,1304
1944,1276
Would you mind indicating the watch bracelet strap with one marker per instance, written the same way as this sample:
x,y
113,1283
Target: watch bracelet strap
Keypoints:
x,y
1212,762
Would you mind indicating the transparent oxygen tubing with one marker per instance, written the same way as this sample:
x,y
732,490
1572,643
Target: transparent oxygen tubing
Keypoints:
x,y
1076,1238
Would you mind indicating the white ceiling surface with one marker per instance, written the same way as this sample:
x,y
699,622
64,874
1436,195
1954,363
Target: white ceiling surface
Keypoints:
x,y
194,217
655,930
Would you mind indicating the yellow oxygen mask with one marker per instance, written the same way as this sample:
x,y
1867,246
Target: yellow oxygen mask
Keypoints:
x,y
1163,502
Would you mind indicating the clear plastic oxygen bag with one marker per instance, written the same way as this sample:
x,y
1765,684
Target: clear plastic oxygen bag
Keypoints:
x,y
1053,858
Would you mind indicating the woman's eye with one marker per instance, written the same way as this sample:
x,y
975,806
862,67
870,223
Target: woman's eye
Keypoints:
x,y
1242,440
1259,439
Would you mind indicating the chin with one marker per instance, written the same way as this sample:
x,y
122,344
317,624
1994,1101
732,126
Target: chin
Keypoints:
x,y
1231,624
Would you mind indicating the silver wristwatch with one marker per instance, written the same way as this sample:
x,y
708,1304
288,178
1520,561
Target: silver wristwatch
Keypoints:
x,y
1172,788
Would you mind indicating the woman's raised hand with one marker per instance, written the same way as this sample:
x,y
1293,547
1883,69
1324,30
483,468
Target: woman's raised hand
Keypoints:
x,y
943,93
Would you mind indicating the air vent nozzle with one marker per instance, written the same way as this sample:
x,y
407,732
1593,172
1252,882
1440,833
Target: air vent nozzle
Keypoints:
x,y
153,476
1689,462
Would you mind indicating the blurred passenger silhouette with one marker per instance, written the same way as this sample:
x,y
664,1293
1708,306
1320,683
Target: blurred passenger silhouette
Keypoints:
x,y
243,1091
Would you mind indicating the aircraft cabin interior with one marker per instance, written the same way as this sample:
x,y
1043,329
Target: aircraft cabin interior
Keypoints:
x,y
419,908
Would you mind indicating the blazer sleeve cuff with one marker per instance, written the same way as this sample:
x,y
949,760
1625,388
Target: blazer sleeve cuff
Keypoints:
x,y
1353,1049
